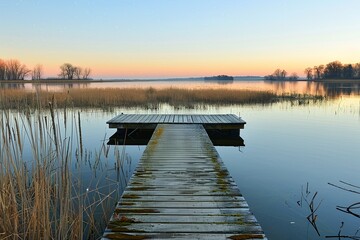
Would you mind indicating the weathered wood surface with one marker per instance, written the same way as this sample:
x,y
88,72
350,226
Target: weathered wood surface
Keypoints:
x,y
182,190
230,121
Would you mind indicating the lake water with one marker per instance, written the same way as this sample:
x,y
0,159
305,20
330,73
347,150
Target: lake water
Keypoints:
x,y
288,146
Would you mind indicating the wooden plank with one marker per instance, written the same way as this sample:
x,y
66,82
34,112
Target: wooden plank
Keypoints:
x,y
162,118
144,119
186,228
182,211
180,236
177,204
157,118
219,219
131,118
144,198
234,118
176,118
118,118
171,120
167,116
153,117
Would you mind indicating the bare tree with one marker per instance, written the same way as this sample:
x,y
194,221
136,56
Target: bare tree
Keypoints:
x,y
23,72
78,72
277,75
293,76
15,70
2,69
319,71
37,72
12,67
67,71
357,70
86,73
309,73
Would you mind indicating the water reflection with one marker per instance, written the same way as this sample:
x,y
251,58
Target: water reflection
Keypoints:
x,y
12,85
56,87
336,89
328,88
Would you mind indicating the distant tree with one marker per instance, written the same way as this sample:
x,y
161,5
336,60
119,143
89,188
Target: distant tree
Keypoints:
x,y
319,71
277,75
37,72
67,71
86,73
269,77
348,71
2,69
78,72
357,70
293,77
309,73
333,70
15,70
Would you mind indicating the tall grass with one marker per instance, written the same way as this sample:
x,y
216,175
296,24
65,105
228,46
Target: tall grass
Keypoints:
x,y
40,197
131,97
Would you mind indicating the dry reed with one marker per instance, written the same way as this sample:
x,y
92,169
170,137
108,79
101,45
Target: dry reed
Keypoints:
x,y
131,97
40,198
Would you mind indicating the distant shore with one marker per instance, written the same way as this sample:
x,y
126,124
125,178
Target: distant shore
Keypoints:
x,y
81,81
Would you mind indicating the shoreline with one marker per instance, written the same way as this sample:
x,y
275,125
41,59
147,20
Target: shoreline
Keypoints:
x,y
236,79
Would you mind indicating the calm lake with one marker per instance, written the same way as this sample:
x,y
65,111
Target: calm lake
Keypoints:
x,y
292,150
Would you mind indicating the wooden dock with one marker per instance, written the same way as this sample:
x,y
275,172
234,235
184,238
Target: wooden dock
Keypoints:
x,y
182,190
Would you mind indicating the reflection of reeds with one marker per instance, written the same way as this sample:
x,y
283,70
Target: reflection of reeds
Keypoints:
x,y
40,198
130,97
312,217
350,209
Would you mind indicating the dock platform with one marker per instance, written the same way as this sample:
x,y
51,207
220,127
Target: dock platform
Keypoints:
x,y
137,129
218,121
182,190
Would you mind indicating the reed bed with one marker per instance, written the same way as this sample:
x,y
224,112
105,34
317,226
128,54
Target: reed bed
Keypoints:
x,y
40,196
132,97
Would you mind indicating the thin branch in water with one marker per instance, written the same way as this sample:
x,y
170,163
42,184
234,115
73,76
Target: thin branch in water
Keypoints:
x,y
312,217
350,209
339,236
349,184
345,189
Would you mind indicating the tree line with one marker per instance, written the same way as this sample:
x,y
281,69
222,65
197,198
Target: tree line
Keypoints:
x,y
13,69
333,70
281,75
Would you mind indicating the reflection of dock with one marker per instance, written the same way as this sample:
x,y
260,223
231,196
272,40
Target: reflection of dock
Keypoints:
x,y
181,189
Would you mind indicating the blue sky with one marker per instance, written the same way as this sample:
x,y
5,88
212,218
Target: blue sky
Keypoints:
x,y
153,38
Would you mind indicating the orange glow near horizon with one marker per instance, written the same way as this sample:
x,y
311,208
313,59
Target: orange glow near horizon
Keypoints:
x,y
166,67
177,69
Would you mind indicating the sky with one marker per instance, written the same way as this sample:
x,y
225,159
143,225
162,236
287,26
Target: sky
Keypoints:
x,y
180,38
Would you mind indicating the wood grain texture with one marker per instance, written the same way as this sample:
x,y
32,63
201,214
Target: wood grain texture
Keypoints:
x,y
182,190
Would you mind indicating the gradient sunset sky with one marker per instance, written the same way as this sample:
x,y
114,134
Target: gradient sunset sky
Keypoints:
x,y
169,38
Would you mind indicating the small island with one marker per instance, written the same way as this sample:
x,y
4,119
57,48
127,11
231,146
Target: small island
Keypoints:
x,y
219,77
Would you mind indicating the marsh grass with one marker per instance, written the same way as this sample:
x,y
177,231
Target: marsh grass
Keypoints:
x,y
40,196
131,97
